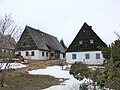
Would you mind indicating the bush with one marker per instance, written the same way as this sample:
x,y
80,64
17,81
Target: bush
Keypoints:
x,y
79,70
83,86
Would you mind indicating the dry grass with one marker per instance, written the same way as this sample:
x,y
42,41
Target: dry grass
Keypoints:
x,y
20,79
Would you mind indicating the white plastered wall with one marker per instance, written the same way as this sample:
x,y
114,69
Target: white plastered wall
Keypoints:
x,y
37,54
80,56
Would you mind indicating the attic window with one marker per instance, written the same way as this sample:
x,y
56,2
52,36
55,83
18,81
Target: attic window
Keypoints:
x,y
24,43
84,31
42,34
91,41
80,42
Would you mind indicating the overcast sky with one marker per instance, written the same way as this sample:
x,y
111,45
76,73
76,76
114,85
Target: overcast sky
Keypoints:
x,y
64,18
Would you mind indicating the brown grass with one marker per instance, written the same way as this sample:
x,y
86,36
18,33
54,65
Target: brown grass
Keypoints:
x,y
20,79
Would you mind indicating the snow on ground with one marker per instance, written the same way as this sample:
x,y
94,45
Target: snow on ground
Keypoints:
x,y
71,84
95,67
12,65
66,67
56,71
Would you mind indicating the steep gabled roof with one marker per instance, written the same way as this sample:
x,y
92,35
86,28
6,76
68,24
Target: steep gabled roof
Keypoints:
x,y
7,42
82,40
42,41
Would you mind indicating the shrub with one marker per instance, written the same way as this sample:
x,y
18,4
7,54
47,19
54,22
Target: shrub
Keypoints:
x,y
79,70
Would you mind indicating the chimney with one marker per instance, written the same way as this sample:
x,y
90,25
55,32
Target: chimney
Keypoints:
x,y
90,27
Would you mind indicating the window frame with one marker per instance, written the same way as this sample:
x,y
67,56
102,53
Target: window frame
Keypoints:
x,y
52,54
63,55
19,53
43,54
91,41
46,54
24,43
74,56
80,42
87,56
32,53
98,57
27,53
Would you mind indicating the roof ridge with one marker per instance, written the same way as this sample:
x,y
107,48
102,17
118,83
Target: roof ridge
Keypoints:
x,y
31,34
40,31
43,39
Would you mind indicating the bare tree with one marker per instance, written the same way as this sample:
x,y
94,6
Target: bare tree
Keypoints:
x,y
7,43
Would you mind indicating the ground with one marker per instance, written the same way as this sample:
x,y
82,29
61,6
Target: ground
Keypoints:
x,y
19,79
69,84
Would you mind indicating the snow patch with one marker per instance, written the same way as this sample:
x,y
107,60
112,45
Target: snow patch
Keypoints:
x,y
12,65
56,71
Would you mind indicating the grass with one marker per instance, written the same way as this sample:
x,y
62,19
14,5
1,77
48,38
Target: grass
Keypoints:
x,y
28,82
20,79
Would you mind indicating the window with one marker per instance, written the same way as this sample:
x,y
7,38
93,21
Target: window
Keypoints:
x,y
32,53
24,43
97,55
19,53
63,55
46,54
51,54
80,42
4,51
27,53
42,53
42,34
73,56
83,31
91,41
87,56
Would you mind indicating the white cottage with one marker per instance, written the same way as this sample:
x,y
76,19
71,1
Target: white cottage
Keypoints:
x,y
85,47
37,45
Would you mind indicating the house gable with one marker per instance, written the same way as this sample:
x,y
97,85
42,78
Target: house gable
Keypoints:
x,y
8,42
26,42
86,40
34,39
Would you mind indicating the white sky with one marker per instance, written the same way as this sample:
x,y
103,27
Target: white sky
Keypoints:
x,y
64,18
